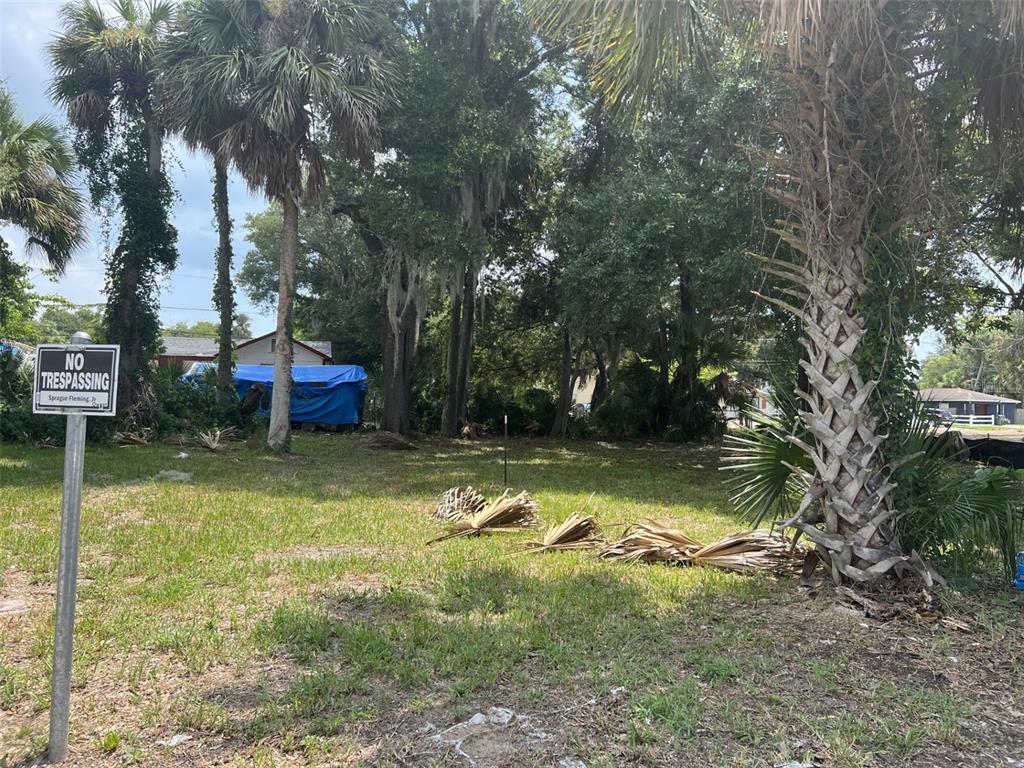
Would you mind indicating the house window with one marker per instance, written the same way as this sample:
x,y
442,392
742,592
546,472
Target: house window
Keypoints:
x,y
273,346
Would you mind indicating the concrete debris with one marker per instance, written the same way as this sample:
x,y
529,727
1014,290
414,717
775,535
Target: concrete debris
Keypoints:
x,y
492,737
174,741
12,607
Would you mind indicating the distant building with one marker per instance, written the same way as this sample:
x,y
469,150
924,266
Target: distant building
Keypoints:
x,y
256,351
261,350
188,349
965,406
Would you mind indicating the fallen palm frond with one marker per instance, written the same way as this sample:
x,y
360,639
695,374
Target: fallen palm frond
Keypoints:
x,y
651,542
459,502
747,551
576,532
214,440
141,437
505,513
757,550
389,441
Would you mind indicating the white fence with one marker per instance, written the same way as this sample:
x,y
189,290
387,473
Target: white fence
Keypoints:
x,y
989,421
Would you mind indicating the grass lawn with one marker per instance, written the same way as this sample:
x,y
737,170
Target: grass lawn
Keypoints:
x,y
284,611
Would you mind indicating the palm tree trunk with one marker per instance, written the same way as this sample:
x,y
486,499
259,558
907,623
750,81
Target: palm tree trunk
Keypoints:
x,y
279,434
224,298
845,158
851,491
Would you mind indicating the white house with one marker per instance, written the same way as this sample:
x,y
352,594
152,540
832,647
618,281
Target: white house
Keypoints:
x,y
256,351
260,351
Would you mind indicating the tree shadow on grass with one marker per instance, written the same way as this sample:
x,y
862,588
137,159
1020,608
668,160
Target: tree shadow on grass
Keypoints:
x,y
366,665
328,468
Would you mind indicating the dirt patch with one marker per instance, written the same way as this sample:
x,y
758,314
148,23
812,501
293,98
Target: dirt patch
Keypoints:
x,y
322,553
114,495
19,595
498,737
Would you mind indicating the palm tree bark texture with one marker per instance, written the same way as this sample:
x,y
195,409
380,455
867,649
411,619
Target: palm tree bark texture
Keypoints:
x,y
847,156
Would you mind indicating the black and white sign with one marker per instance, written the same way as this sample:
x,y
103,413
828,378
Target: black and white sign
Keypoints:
x,y
76,379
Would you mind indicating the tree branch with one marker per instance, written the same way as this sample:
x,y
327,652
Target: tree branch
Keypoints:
x,y
374,244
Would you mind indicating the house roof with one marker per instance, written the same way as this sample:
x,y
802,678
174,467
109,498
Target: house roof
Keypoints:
x,y
958,395
322,348
189,346
197,346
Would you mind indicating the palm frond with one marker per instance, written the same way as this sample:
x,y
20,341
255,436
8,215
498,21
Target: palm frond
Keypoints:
x,y
766,465
758,550
459,502
651,542
37,193
273,75
633,45
575,532
213,440
505,513
747,551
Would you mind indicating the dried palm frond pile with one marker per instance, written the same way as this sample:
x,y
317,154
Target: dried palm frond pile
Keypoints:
x,y
140,437
576,532
651,543
747,551
505,513
214,439
459,502
757,550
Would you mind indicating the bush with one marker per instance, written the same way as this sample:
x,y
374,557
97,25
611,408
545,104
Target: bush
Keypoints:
x,y
179,406
961,516
172,406
631,408
530,412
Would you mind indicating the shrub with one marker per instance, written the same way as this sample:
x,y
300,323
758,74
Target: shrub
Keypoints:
x,y
959,515
632,408
187,406
529,412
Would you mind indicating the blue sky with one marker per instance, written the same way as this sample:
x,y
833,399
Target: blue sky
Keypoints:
x,y
25,30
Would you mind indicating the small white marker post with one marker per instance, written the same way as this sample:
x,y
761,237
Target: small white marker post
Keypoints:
x,y
74,379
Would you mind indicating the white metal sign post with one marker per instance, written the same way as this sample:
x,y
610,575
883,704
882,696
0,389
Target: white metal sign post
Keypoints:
x,y
73,379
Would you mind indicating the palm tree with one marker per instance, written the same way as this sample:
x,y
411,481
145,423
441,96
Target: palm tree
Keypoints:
x,y
297,70
105,78
36,186
200,118
99,61
854,170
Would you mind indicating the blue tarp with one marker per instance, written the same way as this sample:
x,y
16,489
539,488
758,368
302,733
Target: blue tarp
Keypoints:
x,y
321,394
